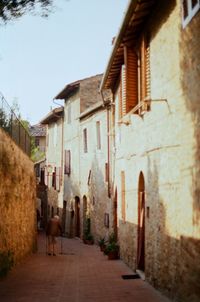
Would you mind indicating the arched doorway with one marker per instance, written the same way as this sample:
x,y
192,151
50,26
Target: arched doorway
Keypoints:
x,y
141,224
77,216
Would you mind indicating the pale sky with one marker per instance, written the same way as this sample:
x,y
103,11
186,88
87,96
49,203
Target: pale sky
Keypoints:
x,y
38,56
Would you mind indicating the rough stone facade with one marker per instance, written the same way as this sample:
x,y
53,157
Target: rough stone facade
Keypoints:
x,y
93,182
18,200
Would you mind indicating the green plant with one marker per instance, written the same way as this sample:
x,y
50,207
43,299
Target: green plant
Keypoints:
x,y
6,262
87,236
112,247
112,238
102,241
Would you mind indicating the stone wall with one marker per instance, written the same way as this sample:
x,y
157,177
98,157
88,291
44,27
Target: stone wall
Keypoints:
x,y
18,200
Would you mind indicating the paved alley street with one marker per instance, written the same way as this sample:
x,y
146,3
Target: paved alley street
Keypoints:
x,y
81,274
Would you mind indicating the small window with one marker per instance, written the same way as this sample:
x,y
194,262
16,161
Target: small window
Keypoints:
x,y
106,172
69,114
37,141
123,202
67,167
106,220
54,180
189,10
98,131
85,148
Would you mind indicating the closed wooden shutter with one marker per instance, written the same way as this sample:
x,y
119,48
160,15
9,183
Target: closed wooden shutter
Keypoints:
x,y
120,99
145,84
142,70
131,62
123,87
147,71
123,203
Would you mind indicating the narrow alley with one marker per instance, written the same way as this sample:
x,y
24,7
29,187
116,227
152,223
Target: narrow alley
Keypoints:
x,y
81,273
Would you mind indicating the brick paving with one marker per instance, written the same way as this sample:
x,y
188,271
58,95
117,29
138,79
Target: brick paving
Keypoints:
x,y
81,274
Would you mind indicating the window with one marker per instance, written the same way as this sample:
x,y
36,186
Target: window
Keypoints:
x,y
69,114
55,135
189,9
54,180
37,141
106,172
98,132
123,203
106,220
85,148
67,162
128,92
135,79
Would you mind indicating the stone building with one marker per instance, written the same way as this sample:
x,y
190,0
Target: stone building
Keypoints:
x,y
54,162
78,97
153,74
94,180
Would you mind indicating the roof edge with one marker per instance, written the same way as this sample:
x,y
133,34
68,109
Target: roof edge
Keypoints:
x,y
130,7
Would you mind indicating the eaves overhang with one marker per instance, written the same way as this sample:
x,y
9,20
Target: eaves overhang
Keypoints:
x,y
96,107
131,27
53,116
67,91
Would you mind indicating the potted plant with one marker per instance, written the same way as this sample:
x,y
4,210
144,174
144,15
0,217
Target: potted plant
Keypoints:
x,y
102,243
87,236
112,248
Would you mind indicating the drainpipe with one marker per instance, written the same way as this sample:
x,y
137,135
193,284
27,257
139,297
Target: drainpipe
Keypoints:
x,y
108,149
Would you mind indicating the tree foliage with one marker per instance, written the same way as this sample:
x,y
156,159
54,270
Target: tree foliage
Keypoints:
x,y
12,9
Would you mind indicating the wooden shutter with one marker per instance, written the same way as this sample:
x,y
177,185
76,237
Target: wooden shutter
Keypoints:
x,y
123,90
147,71
67,167
144,69
120,98
123,203
131,63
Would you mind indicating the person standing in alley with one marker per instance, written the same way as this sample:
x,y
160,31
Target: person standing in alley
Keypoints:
x,y
53,230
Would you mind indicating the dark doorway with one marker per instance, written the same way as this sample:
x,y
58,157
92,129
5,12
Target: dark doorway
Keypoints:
x,y
77,216
141,224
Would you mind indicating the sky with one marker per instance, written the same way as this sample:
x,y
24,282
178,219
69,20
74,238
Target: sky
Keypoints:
x,y
39,56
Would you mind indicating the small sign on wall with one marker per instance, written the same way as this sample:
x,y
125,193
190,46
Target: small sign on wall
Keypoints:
x,y
106,220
